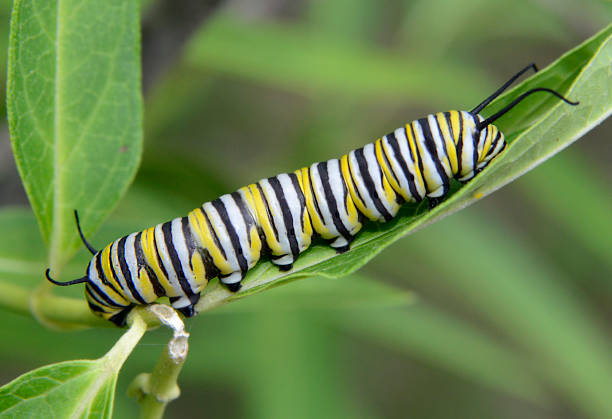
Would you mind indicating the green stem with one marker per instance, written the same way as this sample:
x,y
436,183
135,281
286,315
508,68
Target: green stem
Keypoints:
x,y
163,386
60,312
159,388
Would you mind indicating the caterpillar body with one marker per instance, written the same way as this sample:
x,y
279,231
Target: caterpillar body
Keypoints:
x,y
279,216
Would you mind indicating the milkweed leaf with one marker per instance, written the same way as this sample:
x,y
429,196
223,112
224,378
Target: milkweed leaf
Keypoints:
x,y
74,110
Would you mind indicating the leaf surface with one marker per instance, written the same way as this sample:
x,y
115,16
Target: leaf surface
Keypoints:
x,y
75,110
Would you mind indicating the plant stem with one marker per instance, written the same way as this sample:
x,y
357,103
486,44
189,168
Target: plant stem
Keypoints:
x,y
62,312
157,389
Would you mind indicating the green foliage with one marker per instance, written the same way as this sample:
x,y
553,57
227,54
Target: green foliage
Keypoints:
x,y
72,389
75,111
501,314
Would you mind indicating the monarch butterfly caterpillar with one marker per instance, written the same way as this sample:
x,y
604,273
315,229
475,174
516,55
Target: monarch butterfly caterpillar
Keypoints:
x,y
278,216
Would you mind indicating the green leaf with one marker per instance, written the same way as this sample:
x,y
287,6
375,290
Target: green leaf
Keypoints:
x,y
71,389
75,110
582,73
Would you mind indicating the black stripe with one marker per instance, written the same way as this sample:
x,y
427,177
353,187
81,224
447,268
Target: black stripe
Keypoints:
x,y
314,197
301,198
189,241
397,154
160,262
140,258
430,145
267,205
231,231
345,193
398,197
113,272
103,295
460,145
494,143
475,152
96,298
331,201
176,262
244,212
447,116
287,216
211,269
125,270
94,307
101,274
443,144
419,161
369,184
352,179
214,234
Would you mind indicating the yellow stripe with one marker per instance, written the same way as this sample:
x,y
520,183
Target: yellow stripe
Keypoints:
x,y
390,194
454,117
199,271
451,150
316,221
345,165
145,287
255,249
491,133
388,171
307,232
264,220
107,272
420,177
147,243
200,227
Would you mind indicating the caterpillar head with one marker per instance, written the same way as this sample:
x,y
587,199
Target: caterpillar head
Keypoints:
x,y
488,141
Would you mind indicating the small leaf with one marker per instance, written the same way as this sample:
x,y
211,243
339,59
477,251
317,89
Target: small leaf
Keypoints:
x,y
75,110
71,389
583,74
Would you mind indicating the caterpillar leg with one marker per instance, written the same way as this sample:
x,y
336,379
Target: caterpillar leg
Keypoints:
x,y
342,244
233,281
120,318
185,304
435,201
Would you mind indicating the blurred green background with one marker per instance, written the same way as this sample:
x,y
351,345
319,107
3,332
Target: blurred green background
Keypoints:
x,y
502,310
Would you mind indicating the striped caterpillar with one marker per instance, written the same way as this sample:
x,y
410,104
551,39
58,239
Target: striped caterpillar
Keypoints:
x,y
279,216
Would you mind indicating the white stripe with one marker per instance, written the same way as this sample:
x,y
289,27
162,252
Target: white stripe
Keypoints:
x,y
95,278
223,236
435,180
407,156
467,160
235,216
293,202
440,145
323,204
374,169
363,191
277,215
132,263
117,268
336,182
180,245
167,262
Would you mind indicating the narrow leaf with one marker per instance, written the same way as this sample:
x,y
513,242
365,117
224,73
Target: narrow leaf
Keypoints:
x,y
75,110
